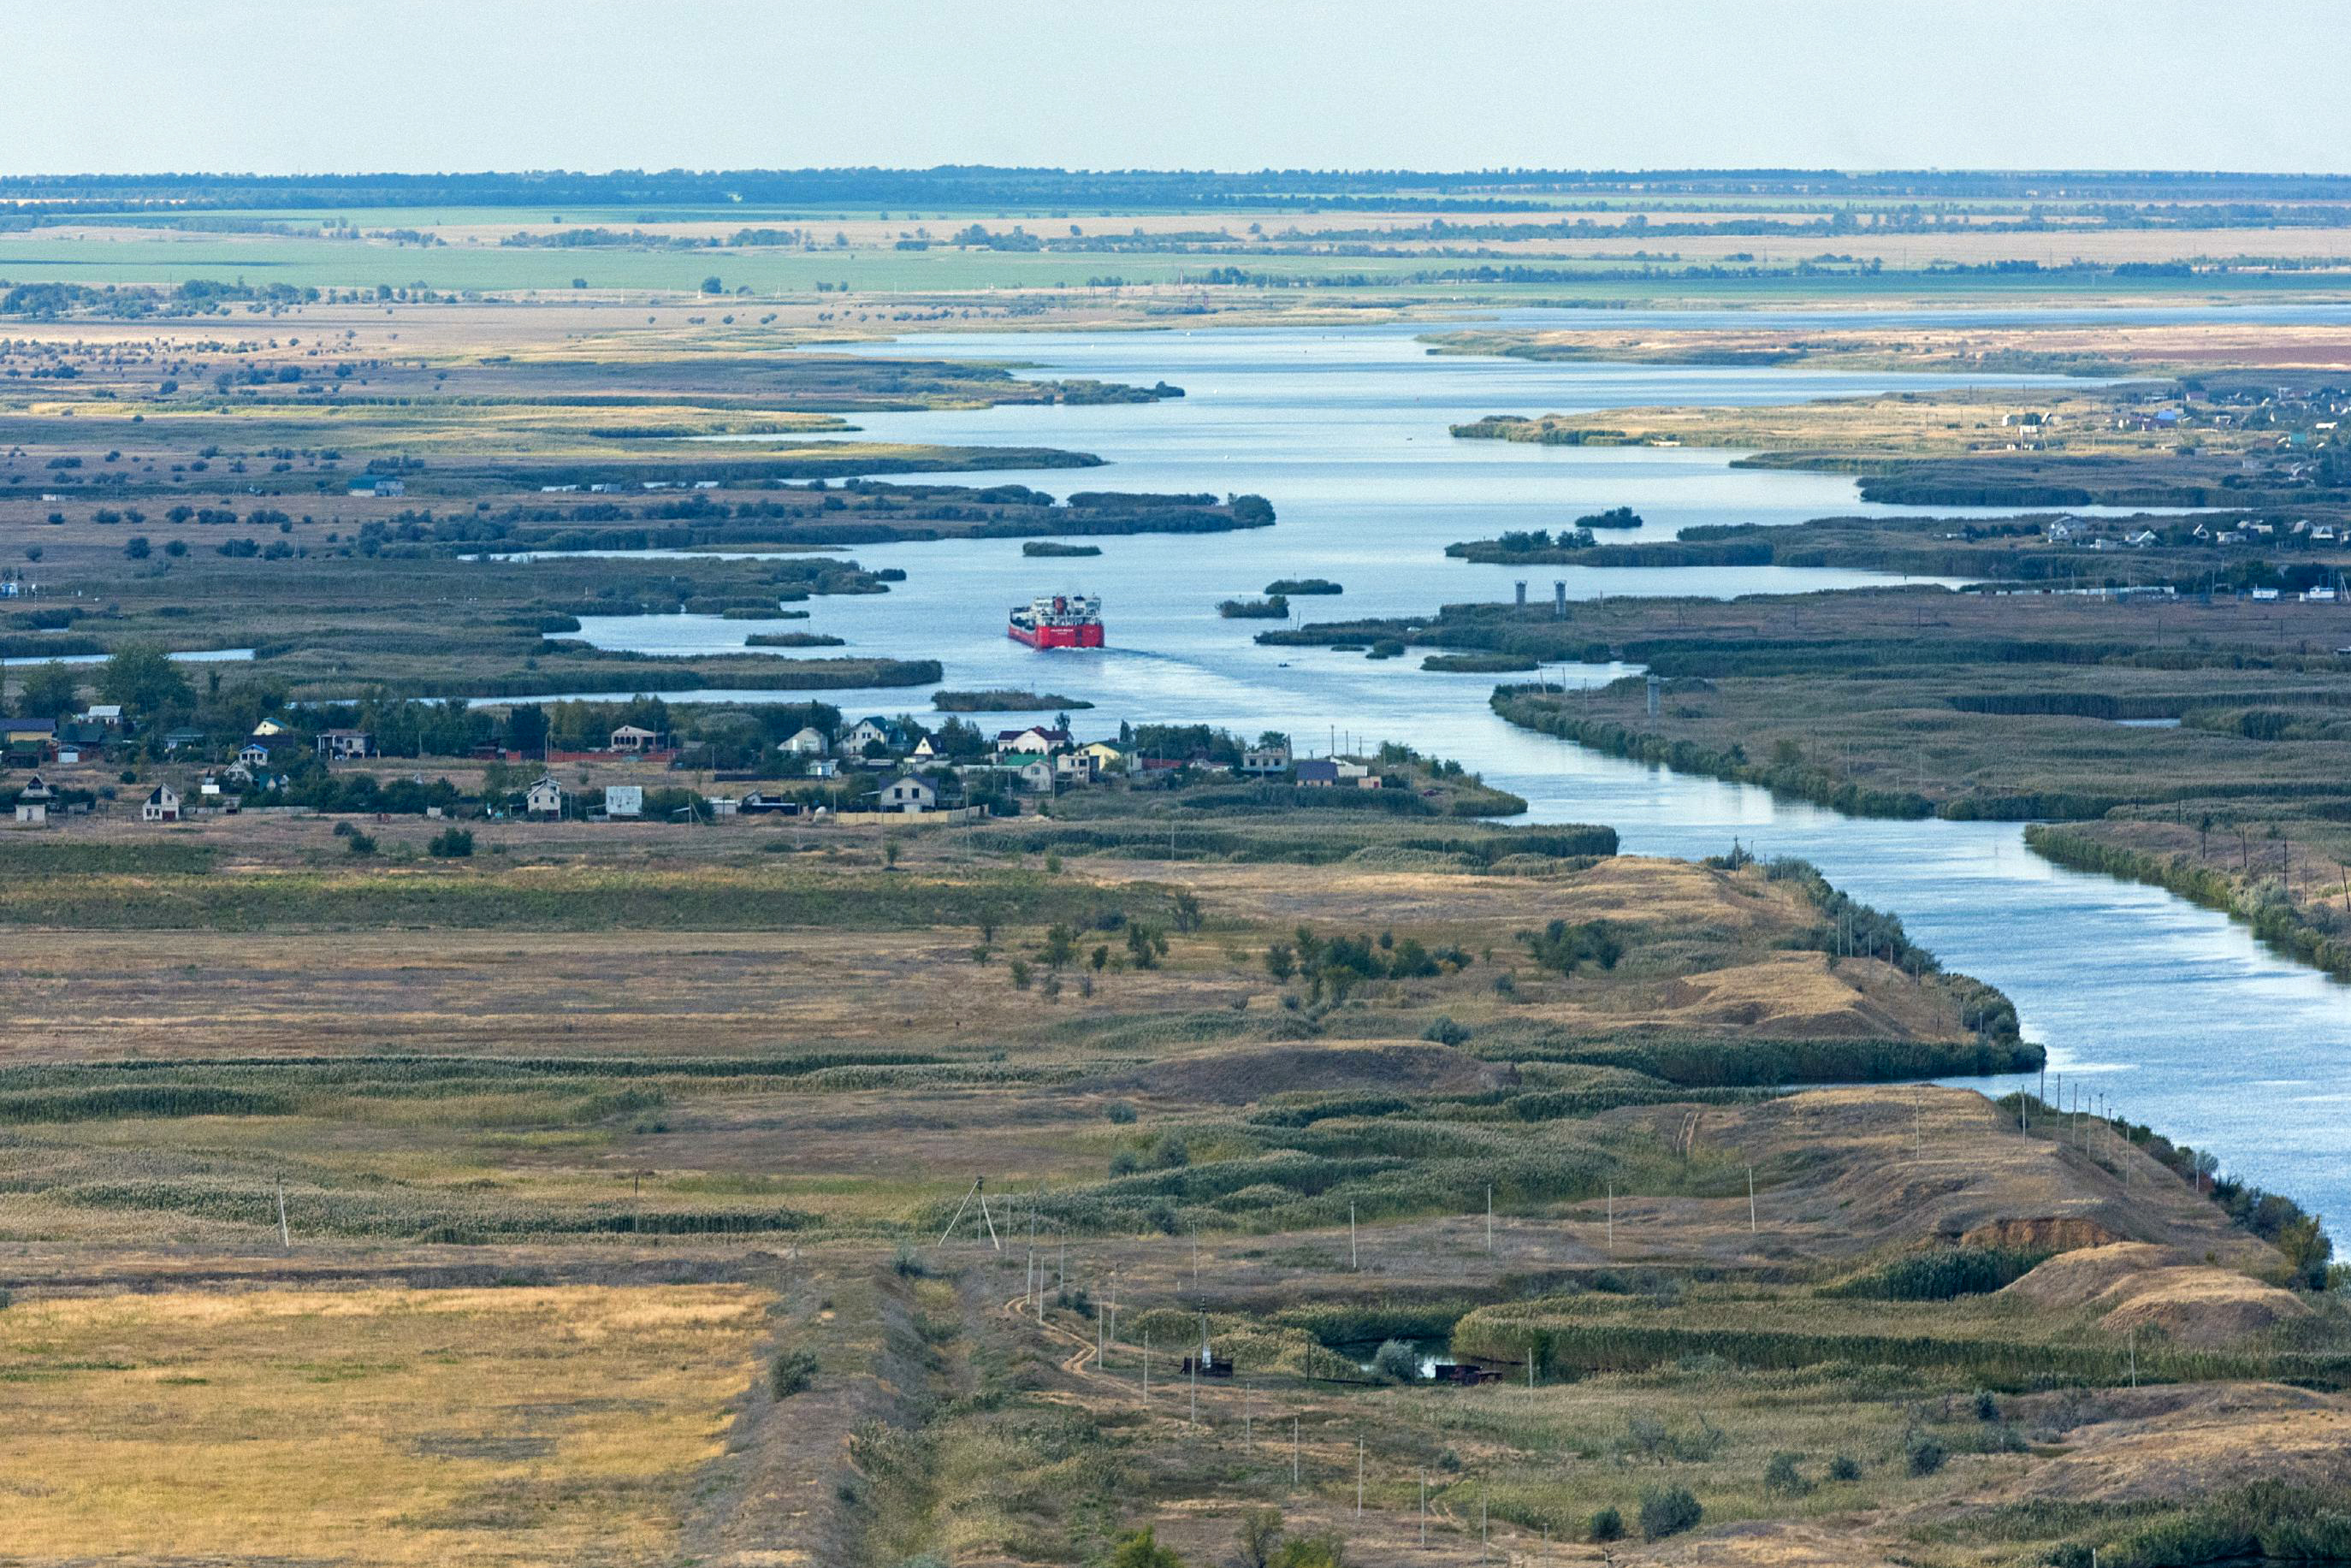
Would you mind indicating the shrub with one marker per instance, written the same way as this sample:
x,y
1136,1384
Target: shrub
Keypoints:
x,y
1141,1549
1397,1360
1605,1524
451,843
1844,1467
791,1372
1780,1476
1121,1113
359,843
1444,1031
907,1263
1324,1551
1668,1510
1987,1405
1924,1453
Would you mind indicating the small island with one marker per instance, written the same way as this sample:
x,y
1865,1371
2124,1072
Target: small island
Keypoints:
x,y
1289,585
1003,700
793,640
1274,608
1056,549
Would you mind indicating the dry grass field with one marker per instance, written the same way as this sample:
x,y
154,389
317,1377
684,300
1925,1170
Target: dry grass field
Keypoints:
x,y
367,1426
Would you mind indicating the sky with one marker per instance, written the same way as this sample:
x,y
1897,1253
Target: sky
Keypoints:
x,y
346,85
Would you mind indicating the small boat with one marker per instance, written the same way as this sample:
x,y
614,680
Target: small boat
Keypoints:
x,y
1058,620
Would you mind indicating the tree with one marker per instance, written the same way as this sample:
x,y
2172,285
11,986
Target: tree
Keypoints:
x,y
1260,1535
711,285
49,692
135,546
142,678
1281,960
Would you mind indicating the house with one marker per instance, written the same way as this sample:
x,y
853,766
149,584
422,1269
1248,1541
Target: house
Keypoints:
x,y
2142,540
2062,530
823,768
163,805
867,732
22,733
634,737
624,799
270,728
341,743
377,485
1260,760
924,751
544,797
756,804
1034,741
722,805
1073,768
183,739
1035,776
1318,773
910,794
107,714
253,754
807,741
33,801
1108,758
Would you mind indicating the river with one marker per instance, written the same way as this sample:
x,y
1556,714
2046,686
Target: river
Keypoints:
x,y
2174,1013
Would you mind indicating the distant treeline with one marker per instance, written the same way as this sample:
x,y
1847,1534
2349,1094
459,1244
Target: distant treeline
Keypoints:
x,y
983,185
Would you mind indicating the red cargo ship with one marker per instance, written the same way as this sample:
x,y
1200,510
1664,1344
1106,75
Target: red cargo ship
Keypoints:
x,y
1058,620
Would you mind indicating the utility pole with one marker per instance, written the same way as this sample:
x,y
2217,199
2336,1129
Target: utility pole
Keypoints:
x,y
1489,1219
1293,1450
1351,1236
1750,1200
1359,1478
1612,1219
285,1236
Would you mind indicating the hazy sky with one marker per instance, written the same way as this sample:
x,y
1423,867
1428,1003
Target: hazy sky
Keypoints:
x,y
342,85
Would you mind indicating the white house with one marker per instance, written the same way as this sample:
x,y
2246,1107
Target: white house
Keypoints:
x,y
1073,768
161,806
808,742
723,805
1036,776
634,737
343,743
253,754
823,768
544,799
624,799
864,732
33,801
106,714
910,795
1263,760
1034,741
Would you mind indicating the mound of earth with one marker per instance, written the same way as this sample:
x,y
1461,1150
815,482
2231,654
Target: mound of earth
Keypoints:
x,y
2061,1233
2143,1287
2170,1443
1237,1077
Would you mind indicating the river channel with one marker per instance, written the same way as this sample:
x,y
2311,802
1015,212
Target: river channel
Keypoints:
x,y
2173,1012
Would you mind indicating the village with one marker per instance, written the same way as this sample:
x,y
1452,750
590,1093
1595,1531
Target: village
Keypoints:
x,y
102,762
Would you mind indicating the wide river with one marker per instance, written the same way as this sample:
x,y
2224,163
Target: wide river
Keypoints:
x,y
2175,1014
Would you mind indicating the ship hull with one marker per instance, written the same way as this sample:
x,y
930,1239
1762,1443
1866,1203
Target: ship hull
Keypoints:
x,y
1086,636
